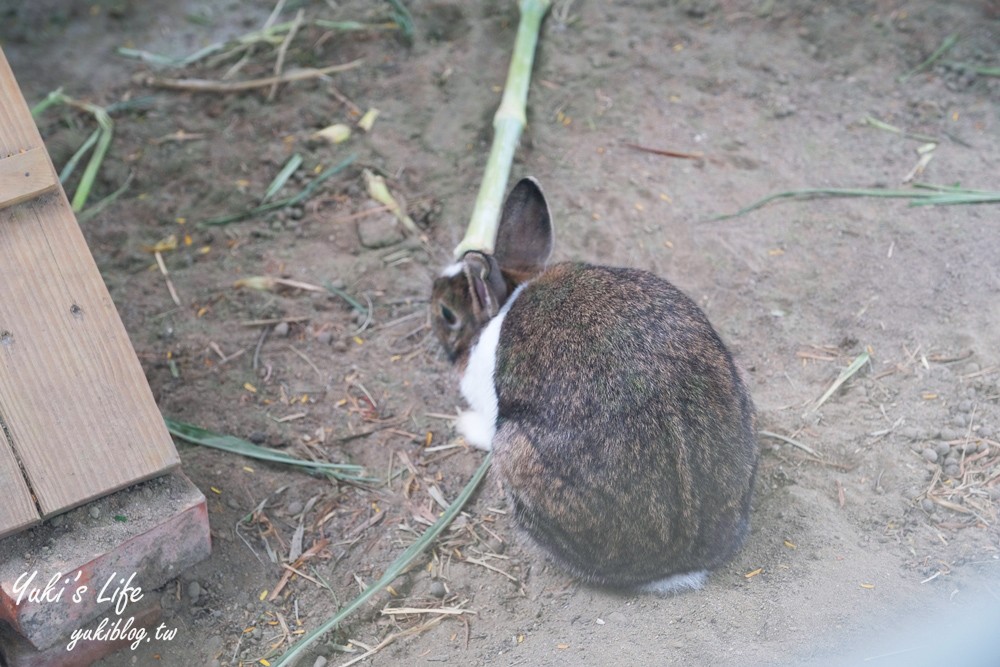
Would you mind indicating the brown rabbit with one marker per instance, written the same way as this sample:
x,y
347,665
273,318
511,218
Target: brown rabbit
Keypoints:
x,y
622,432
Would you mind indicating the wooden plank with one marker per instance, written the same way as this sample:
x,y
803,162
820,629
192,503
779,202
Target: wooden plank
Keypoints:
x,y
17,511
77,408
24,176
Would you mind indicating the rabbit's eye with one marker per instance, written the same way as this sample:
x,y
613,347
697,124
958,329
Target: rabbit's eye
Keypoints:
x,y
450,318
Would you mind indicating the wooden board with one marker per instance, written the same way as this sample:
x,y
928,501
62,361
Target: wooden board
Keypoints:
x,y
18,509
77,411
24,176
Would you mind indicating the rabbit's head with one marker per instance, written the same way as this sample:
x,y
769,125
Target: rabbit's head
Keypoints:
x,y
470,292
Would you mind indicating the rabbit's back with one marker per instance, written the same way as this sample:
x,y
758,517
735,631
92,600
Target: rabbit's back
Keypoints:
x,y
625,435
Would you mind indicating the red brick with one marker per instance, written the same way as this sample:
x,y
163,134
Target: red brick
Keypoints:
x,y
164,530
18,652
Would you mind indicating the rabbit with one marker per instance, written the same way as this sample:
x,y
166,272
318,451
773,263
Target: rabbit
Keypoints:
x,y
623,434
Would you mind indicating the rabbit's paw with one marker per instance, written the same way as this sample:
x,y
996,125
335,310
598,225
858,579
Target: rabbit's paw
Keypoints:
x,y
476,430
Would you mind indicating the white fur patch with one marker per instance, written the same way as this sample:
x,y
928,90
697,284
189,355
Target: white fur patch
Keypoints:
x,y
476,430
676,583
479,425
452,270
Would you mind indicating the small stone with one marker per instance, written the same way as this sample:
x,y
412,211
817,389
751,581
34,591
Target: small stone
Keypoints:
x,y
929,455
959,420
295,213
295,507
57,521
281,329
617,618
232,503
952,471
324,337
496,546
910,432
942,448
965,406
95,512
320,661
942,372
339,346
911,493
949,434
379,231
257,437
969,447
338,283
951,459
437,589
698,9
927,505
986,431
194,591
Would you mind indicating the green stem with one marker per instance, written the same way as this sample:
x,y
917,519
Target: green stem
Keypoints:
x,y
303,195
948,42
228,443
508,123
923,194
107,201
94,164
71,164
53,98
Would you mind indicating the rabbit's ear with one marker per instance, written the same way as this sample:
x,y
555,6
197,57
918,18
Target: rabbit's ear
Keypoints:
x,y
524,237
487,287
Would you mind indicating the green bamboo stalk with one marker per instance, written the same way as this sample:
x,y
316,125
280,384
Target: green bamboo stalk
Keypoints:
x,y
508,123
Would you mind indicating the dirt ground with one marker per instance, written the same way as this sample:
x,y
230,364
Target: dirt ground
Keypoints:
x,y
883,517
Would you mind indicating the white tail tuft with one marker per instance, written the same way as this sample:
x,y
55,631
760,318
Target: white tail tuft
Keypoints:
x,y
676,583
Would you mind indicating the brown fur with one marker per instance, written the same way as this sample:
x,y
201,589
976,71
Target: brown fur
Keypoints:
x,y
626,439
